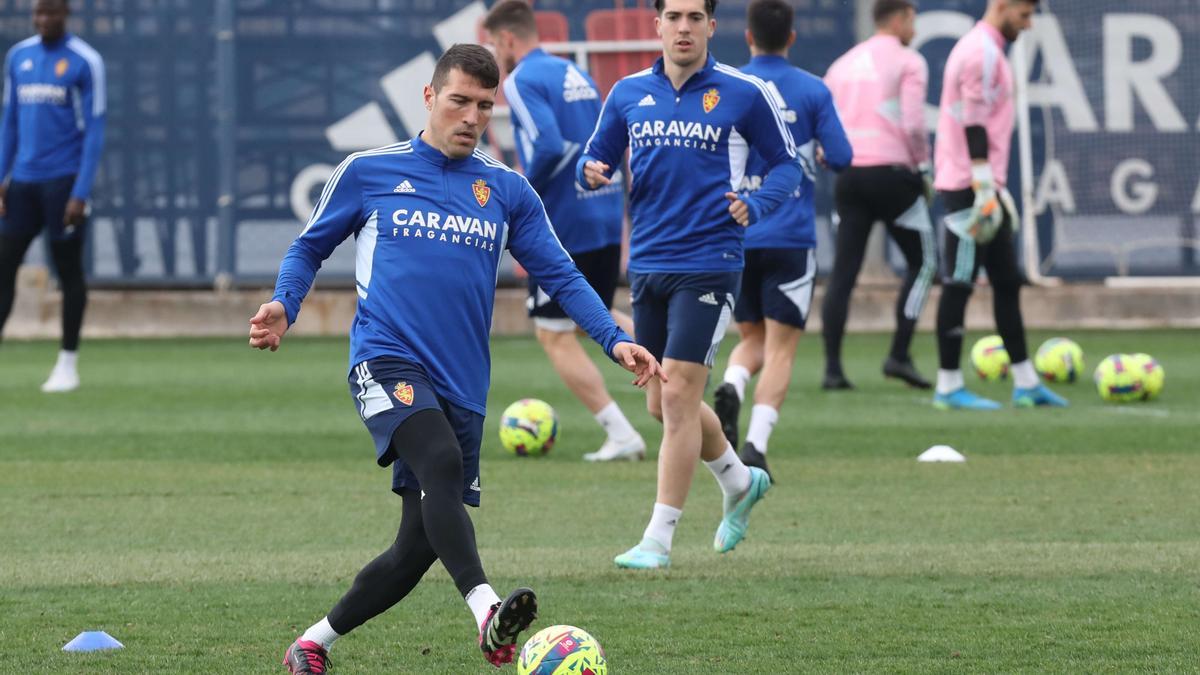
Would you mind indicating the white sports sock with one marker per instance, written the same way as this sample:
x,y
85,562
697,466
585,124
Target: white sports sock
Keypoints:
x,y
481,599
661,529
66,360
762,421
321,633
731,474
949,381
1024,376
738,377
615,424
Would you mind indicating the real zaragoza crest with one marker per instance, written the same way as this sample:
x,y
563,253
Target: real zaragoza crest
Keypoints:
x,y
482,191
711,99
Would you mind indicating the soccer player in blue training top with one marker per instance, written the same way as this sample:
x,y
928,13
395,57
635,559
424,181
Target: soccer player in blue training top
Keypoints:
x,y
690,123
431,218
777,283
50,142
554,109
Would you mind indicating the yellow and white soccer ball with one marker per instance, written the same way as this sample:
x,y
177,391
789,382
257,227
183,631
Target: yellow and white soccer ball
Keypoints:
x,y
1118,379
562,650
1059,360
528,427
1152,374
990,359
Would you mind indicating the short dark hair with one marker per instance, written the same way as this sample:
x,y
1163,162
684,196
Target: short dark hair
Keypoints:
x,y
770,23
472,60
511,15
885,9
710,6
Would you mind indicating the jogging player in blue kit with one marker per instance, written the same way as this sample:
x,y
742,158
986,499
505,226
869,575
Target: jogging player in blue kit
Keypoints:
x,y
51,136
554,109
689,123
431,217
781,261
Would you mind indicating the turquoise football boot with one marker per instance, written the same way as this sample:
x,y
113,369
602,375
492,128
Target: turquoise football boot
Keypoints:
x,y
647,555
1038,396
961,399
733,525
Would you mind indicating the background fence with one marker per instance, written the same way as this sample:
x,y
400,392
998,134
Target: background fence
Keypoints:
x,y
227,116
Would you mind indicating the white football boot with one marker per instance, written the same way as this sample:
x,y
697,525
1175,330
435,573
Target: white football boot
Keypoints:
x,y
631,450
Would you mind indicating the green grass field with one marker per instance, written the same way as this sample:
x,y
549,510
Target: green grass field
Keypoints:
x,y
203,503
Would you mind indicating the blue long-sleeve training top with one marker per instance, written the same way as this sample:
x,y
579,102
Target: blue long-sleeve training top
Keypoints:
x,y
55,99
687,149
812,118
554,110
429,232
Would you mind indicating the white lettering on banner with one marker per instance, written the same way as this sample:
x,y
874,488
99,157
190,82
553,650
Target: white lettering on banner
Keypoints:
x,y
1124,78
1059,85
1054,188
1130,195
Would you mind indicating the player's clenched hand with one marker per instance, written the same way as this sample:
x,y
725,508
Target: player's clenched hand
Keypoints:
x,y
75,213
3,194
738,209
593,173
268,326
639,361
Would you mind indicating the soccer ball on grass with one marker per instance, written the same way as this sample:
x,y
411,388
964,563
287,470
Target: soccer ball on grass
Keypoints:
x,y
1118,380
1059,360
1152,374
990,358
562,650
528,427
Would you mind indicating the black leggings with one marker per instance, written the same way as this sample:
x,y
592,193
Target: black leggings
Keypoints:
x,y
865,195
963,260
434,525
68,265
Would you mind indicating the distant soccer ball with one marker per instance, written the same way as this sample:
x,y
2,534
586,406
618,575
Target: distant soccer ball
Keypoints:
x,y
562,650
1118,379
990,358
528,427
1059,360
1152,375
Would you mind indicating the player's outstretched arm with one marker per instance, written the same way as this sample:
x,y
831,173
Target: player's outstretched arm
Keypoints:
x,y
268,325
639,361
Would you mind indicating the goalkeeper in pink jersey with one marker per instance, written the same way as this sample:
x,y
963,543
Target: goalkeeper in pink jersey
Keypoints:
x,y
974,137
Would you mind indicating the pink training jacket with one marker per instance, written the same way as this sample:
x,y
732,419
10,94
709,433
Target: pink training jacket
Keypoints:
x,y
879,88
976,91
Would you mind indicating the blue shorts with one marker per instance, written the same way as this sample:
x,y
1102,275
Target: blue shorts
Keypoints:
x,y
387,391
777,284
32,206
683,315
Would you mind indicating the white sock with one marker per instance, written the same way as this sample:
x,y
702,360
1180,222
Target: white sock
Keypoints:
x,y
321,633
738,377
66,360
949,381
661,529
731,474
762,421
1024,376
481,599
615,424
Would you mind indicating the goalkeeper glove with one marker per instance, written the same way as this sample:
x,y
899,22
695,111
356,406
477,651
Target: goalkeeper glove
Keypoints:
x,y
987,214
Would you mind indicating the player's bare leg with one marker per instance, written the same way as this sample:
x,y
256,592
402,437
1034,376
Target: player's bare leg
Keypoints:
x,y
744,363
583,378
771,389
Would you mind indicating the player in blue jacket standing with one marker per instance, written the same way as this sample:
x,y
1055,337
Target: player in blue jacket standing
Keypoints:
x,y
431,217
51,136
777,283
690,123
554,109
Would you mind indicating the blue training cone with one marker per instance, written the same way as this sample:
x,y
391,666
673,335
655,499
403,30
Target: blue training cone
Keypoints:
x,y
91,641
